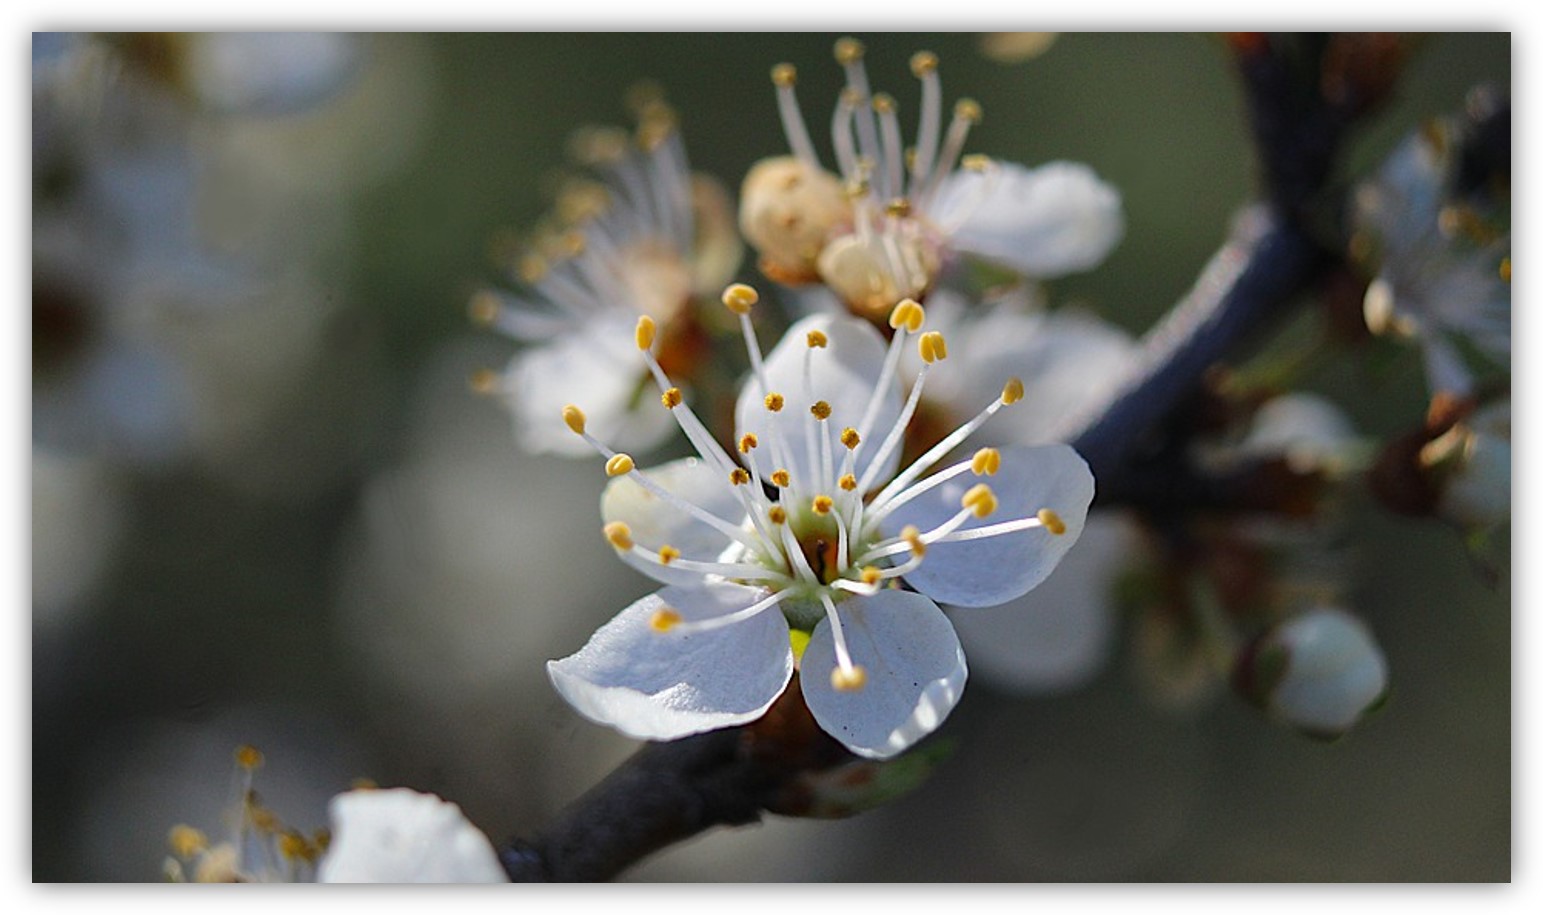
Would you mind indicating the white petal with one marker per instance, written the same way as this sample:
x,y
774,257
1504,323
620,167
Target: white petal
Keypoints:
x,y
1309,432
843,374
994,570
1335,670
656,522
663,685
1058,636
397,835
1046,222
598,369
915,669
270,72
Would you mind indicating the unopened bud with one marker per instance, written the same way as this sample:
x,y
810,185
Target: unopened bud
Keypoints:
x,y
1320,672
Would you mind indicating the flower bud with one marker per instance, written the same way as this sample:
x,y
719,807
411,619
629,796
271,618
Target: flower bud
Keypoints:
x,y
787,210
1472,461
870,280
1319,671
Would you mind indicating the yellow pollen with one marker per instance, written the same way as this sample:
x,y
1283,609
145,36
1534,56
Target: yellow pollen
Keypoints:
x,y
774,402
987,462
850,438
1505,270
739,298
913,539
671,398
847,482
883,103
898,207
784,75
870,575
263,819
574,243
248,757
618,534
1052,522
975,162
981,498
777,514
967,109
822,505
747,442
293,846
922,63
848,50
483,308
664,619
484,381
574,417
816,340
820,409
1012,392
185,841
321,839
645,333
739,476
532,268
618,465
908,314
932,347
781,478
668,554
848,679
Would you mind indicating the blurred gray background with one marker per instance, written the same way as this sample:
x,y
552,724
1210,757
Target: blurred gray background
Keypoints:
x,y
365,576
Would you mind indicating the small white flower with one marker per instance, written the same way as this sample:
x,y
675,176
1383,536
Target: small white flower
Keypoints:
x,y
398,835
814,521
1319,671
649,237
886,228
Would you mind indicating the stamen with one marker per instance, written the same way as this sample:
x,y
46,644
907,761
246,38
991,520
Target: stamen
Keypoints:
x,y
816,339
993,530
781,478
1052,521
967,112
847,676
645,332
1012,391
774,402
664,619
618,534
820,410
574,417
908,314
850,438
777,514
484,308
980,498
668,554
740,298
913,539
739,476
747,442
822,504
728,619
933,347
924,66
619,464
671,398
847,482
185,841
987,462
248,757
894,492
848,679
484,381
870,575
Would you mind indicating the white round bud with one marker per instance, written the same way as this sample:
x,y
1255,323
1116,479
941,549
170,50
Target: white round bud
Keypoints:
x,y
1319,671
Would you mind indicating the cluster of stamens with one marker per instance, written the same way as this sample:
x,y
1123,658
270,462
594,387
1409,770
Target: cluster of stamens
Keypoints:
x,y
812,542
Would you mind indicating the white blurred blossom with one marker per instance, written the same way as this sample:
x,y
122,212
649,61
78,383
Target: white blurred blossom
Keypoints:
x,y
397,835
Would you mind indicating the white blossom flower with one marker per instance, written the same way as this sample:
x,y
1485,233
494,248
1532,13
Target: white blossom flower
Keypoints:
x,y
813,520
1319,671
647,237
1444,275
397,835
888,226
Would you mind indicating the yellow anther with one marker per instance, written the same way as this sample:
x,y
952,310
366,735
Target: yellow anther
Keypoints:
x,y
664,619
851,98
774,402
321,839
739,298
820,409
816,339
777,514
848,50
967,109
185,841
618,465
646,332
671,398
908,314
784,75
1505,270
870,575
293,846
781,478
1012,392
913,539
248,757
932,347
923,63
883,103
484,381
1052,521
975,162
848,679
981,499
573,243
668,554
574,417
899,208
987,462
483,308
739,476
618,534
747,442
822,504
532,268
264,820
847,482
850,438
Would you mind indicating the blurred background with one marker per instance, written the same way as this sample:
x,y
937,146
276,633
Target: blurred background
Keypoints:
x,y
268,509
